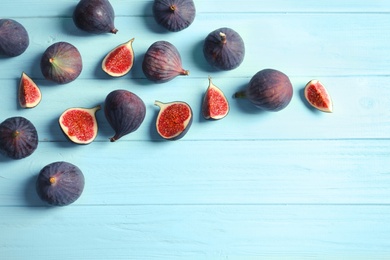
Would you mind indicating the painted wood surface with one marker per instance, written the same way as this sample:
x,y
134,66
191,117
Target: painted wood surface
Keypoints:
x,y
293,184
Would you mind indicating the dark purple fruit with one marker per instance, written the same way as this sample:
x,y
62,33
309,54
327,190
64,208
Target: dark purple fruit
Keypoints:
x,y
268,89
224,49
162,62
124,111
174,15
60,183
61,63
95,16
18,137
14,38
173,120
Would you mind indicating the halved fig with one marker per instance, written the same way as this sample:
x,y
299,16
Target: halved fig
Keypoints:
x,y
317,96
173,120
29,94
79,124
119,61
215,105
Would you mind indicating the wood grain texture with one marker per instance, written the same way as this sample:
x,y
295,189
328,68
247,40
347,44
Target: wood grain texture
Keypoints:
x,y
298,183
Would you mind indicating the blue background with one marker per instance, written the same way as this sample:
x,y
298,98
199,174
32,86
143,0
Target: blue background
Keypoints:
x,y
297,183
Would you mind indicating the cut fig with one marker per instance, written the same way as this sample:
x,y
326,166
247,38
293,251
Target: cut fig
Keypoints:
x,y
215,105
29,94
79,124
173,120
120,60
317,96
162,62
60,183
18,137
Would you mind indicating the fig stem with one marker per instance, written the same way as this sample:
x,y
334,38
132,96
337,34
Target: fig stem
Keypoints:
x,y
172,8
52,180
223,37
114,30
240,94
15,133
185,72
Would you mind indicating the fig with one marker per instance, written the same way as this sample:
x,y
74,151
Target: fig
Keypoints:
x,y
174,15
119,61
173,120
95,16
14,38
317,96
215,104
224,49
124,111
18,137
162,62
60,183
268,89
29,94
61,63
79,124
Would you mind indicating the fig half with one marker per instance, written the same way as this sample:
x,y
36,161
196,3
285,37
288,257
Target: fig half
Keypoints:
x,y
162,62
29,94
61,62
268,89
79,124
215,105
18,137
119,61
124,111
174,15
317,96
173,120
60,183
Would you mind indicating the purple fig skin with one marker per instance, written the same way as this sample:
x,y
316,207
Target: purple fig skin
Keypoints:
x,y
162,62
14,38
174,15
268,89
224,49
61,63
95,16
18,137
60,183
124,111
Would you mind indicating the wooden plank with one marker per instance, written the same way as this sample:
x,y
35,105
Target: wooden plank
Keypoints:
x,y
207,232
360,105
212,172
64,8
291,43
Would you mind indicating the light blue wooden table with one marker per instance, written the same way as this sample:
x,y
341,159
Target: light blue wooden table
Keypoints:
x,y
298,183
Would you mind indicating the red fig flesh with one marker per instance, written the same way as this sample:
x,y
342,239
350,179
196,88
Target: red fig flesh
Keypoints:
x,y
120,60
162,62
173,120
79,124
29,94
215,104
317,96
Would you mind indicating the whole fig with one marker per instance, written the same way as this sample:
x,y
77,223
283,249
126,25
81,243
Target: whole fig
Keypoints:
x,y
61,63
124,111
268,89
224,49
60,183
95,16
14,38
174,15
18,137
162,62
